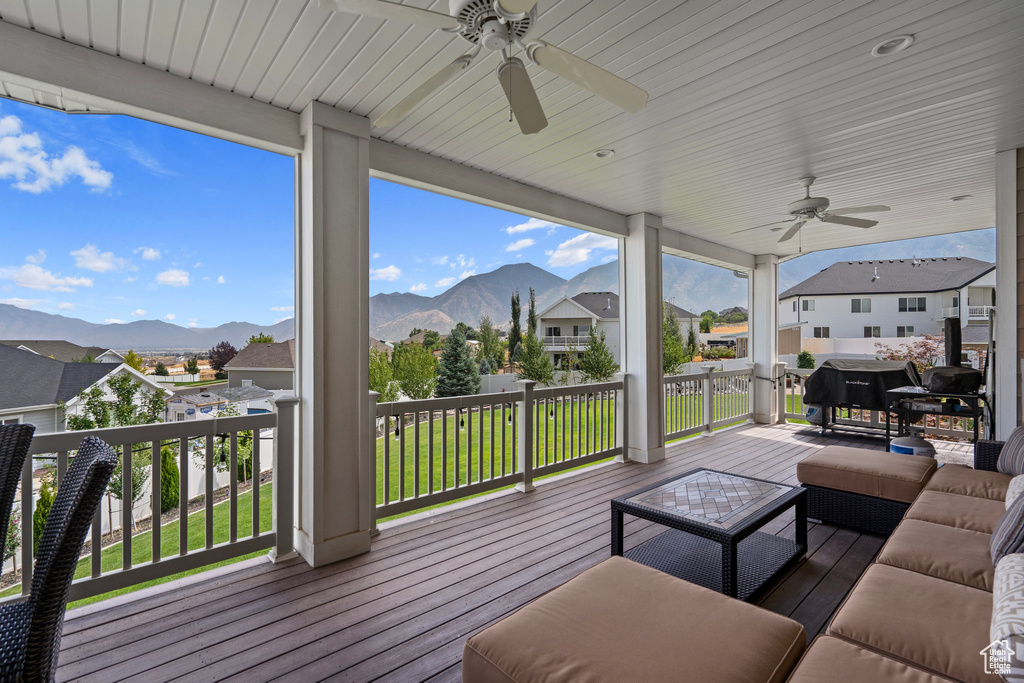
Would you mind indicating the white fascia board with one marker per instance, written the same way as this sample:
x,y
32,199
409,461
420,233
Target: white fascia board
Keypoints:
x,y
123,87
678,243
407,166
24,409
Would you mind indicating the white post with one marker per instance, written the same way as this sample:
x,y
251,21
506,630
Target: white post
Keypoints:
x,y
709,399
779,372
371,448
752,369
284,480
1009,272
332,335
621,417
640,298
764,333
525,436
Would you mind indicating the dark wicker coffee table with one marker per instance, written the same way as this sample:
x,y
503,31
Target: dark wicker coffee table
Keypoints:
x,y
714,538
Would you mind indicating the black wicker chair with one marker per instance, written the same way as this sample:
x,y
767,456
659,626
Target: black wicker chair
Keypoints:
x,y
30,631
14,443
986,454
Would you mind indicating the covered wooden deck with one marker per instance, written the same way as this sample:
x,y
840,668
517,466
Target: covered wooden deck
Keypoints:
x,y
403,611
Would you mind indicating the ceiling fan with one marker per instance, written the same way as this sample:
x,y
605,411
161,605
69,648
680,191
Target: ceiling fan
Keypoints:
x,y
495,25
816,208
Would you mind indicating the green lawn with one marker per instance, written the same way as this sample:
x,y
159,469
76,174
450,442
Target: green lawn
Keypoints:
x,y
142,544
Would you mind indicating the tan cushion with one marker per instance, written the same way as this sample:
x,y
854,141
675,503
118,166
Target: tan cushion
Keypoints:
x,y
622,621
892,476
963,512
967,481
835,659
938,625
941,551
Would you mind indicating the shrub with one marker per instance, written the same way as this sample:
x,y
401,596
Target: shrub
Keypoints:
x,y
169,482
805,360
43,506
220,374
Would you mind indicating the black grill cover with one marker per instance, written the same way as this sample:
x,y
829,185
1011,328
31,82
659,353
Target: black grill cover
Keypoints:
x,y
860,383
952,380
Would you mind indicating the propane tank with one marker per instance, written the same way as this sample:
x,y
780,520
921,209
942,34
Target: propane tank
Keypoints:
x,y
813,414
914,444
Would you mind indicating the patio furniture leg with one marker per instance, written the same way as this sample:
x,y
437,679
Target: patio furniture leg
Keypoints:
x,y
801,527
616,532
729,569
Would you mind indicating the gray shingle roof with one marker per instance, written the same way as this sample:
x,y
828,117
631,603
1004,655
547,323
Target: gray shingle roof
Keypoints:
x,y
29,379
974,334
58,349
277,355
681,312
602,304
893,276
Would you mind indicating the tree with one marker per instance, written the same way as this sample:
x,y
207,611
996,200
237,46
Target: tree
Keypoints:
x,y
169,483
12,541
457,373
706,322
515,333
43,505
531,316
692,346
161,370
485,367
382,376
221,354
924,353
431,338
222,449
492,349
673,351
415,371
805,360
134,360
84,359
261,338
415,331
534,361
467,331
598,364
192,366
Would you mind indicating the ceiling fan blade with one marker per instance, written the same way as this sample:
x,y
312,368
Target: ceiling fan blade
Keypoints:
x,y
858,209
392,10
757,227
521,96
514,7
605,84
792,231
425,89
852,222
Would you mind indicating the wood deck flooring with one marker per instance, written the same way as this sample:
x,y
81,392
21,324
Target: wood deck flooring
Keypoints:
x,y
403,611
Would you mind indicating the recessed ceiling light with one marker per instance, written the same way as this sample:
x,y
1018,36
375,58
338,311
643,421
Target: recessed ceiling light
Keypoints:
x,y
891,46
960,197
604,153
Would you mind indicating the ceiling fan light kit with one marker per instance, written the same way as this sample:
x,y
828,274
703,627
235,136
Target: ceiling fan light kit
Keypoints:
x,y
495,25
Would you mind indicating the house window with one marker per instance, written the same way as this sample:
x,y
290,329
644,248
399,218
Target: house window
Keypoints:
x,y
808,304
10,421
794,305
956,302
554,332
914,304
904,330
874,331
179,417
580,330
822,333
860,305
558,361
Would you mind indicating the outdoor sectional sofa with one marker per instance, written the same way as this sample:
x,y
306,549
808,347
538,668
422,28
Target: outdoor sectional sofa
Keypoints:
x,y
922,612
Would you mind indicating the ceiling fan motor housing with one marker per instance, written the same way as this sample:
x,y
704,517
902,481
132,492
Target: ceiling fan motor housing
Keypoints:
x,y
478,16
808,205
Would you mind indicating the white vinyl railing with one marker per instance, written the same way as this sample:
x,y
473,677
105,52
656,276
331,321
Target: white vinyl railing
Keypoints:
x,y
437,450
976,312
215,441
579,340
704,401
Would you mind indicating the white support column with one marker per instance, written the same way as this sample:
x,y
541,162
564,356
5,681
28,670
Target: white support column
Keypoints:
x,y
764,323
332,336
640,311
1009,275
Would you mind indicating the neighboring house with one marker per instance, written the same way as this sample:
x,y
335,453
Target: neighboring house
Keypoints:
x,y
382,346
270,366
417,339
890,298
33,386
209,402
686,318
730,311
65,351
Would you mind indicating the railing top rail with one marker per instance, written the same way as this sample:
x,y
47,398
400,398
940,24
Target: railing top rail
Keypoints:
x,y
451,403
69,441
688,377
732,373
576,389
802,372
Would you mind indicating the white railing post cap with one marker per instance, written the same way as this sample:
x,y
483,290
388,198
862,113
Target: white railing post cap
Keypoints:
x,y
526,382
287,401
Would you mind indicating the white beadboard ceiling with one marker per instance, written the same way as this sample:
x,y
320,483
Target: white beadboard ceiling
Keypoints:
x,y
747,96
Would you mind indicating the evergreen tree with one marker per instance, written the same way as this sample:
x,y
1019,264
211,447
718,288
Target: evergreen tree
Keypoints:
x,y
457,374
43,505
673,351
598,363
161,370
169,483
692,347
515,333
534,361
531,317
485,367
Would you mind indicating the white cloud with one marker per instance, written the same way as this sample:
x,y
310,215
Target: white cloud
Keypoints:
x,y
577,250
467,273
461,261
609,258
22,303
445,282
66,306
149,253
419,287
91,258
531,224
376,255
37,257
440,261
193,324
170,316
198,264
138,312
141,157
23,159
389,273
114,321
220,280
521,244
173,277
281,320
282,309
131,279
34,277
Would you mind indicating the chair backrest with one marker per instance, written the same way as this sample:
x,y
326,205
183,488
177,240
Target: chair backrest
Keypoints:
x,y
67,523
14,443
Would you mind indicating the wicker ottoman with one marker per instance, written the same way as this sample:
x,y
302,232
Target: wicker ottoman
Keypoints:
x,y
622,621
862,489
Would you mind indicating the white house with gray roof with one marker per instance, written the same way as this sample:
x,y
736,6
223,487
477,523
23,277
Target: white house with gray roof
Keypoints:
x,y
890,297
